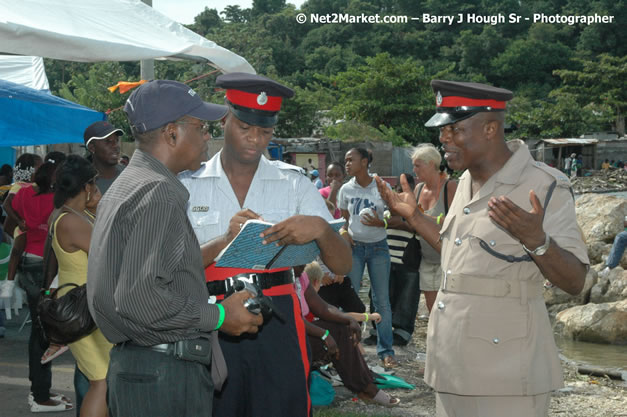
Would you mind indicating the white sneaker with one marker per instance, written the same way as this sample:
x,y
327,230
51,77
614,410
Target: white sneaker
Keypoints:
x,y
6,289
605,272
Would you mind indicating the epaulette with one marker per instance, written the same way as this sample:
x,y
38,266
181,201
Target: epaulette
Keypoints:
x,y
284,166
558,176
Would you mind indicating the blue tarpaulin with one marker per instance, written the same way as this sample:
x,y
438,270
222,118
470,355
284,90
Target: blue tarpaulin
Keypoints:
x,y
32,117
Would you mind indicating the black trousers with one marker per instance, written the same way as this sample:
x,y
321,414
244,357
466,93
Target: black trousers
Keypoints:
x,y
145,383
31,279
404,298
268,371
342,296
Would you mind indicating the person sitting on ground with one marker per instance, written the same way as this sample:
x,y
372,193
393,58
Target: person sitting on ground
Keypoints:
x,y
605,166
334,337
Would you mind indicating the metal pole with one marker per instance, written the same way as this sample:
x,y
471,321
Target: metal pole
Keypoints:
x,y
147,66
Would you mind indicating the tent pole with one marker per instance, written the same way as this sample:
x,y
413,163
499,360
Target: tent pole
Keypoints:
x,y
147,66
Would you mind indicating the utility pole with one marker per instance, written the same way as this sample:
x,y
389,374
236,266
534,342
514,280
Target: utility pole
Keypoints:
x,y
147,66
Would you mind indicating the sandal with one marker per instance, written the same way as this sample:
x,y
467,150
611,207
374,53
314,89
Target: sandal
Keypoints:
x,y
35,407
382,398
55,397
52,352
389,362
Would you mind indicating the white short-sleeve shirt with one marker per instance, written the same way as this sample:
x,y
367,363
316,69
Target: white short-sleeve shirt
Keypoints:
x,y
277,191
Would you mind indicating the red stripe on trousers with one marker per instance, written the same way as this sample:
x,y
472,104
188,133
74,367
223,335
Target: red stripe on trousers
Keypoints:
x,y
302,343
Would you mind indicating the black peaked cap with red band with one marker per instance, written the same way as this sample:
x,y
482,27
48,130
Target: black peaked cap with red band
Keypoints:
x,y
457,101
254,99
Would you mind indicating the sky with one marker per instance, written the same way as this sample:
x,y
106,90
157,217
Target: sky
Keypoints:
x,y
184,11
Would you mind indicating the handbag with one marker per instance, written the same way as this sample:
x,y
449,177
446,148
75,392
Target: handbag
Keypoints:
x,y
412,254
65,319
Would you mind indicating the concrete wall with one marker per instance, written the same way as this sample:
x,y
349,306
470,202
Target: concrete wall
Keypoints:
x,y
613,150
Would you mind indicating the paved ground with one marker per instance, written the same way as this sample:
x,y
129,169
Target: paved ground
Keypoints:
x,y
14,383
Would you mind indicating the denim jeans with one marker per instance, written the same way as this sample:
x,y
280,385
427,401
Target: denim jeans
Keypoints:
x,y
376,256
145,383
31,279
404,298
616,253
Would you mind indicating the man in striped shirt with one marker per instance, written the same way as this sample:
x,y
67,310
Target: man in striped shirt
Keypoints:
x,y
146,288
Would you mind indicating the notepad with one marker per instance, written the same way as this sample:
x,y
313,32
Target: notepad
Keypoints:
x,y
247,251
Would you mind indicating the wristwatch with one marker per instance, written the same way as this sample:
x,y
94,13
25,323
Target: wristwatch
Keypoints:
x,y
540,250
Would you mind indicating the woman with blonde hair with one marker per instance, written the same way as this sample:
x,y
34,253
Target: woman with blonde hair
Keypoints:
x,y
434,195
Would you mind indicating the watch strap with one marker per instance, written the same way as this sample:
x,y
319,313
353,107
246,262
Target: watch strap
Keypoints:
x,y
540,249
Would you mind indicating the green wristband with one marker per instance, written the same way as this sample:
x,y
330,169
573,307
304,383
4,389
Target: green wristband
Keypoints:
x,y
221,319
324,336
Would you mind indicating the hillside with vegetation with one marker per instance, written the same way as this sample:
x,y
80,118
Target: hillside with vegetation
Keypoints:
x,y
568,79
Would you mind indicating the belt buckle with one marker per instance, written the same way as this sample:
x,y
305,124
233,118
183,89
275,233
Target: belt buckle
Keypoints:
x,y
251,278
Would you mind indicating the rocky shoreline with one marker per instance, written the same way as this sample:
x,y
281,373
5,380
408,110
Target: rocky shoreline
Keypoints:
x,y
582,396
598,315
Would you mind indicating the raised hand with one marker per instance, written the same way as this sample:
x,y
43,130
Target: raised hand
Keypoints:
x,y
403,204
526,226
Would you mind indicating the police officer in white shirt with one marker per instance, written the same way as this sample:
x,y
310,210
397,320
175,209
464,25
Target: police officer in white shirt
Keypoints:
x,y
268,372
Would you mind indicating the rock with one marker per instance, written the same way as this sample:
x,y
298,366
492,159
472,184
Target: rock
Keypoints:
x,y
597,251
554,295
600,181
597,323
610,288
601,217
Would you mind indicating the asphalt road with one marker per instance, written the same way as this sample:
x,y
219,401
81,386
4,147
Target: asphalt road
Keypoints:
x,y
14,383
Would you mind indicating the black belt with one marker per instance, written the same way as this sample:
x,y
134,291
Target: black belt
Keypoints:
x,y
264,280
167,348
195,350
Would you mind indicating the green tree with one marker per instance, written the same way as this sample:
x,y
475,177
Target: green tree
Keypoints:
x,y
235,14
599,83
90,89
388,92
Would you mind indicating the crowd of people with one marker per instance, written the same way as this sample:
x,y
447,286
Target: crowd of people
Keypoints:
x,y
174,336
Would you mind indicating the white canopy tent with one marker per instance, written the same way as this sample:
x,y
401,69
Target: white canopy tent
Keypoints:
x,y
28,71
98,30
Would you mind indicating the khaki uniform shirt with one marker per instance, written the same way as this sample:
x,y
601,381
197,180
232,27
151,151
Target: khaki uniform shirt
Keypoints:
x,y
489,331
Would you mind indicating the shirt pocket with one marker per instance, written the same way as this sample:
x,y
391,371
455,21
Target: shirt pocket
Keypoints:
x,y
205,223
494,346
494,245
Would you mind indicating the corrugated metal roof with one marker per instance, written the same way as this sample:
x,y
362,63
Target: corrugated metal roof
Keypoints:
x,y
571,141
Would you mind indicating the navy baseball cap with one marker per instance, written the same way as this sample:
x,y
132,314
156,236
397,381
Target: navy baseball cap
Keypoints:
x,y
456,101
100,130
254,99
159,102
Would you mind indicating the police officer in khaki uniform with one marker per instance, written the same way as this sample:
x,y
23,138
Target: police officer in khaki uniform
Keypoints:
x,y
490,348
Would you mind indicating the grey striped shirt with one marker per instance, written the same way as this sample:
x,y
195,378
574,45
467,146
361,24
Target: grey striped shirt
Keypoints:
x,y
145,278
